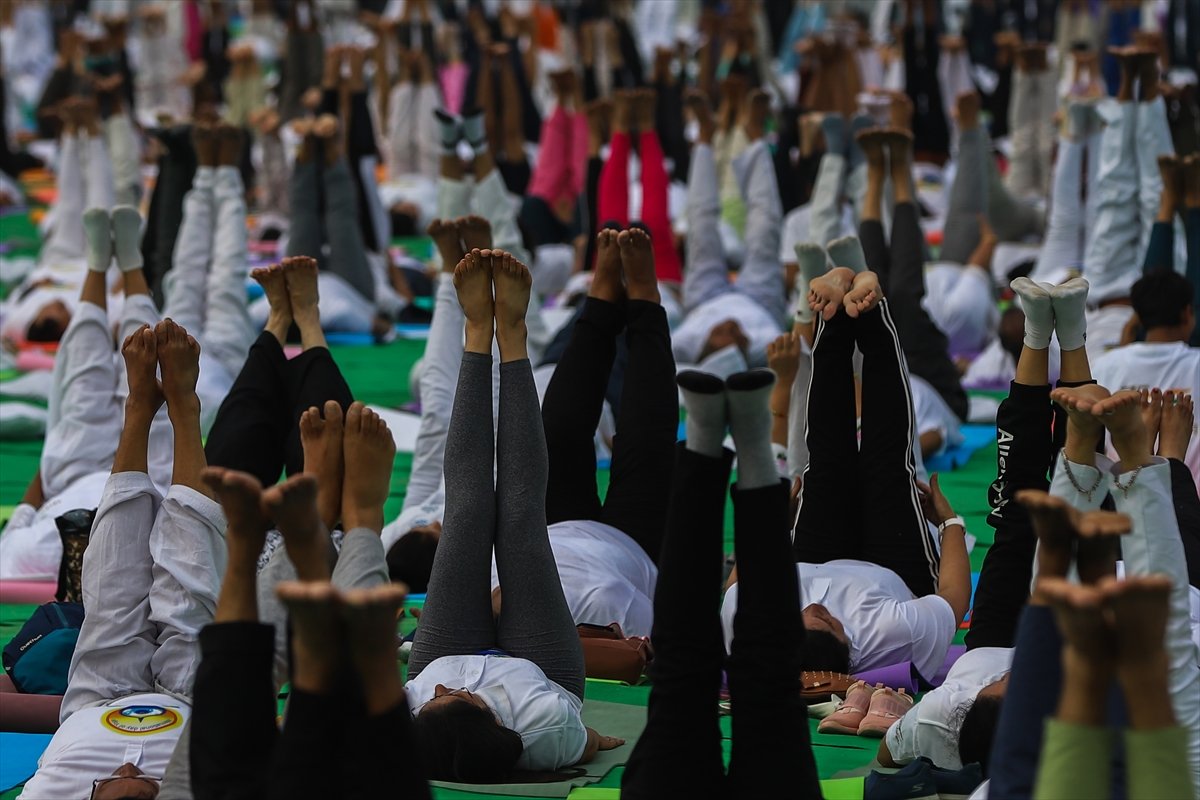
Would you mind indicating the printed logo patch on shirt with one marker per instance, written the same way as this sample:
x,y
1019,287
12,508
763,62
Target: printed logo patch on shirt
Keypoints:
x,y
141,720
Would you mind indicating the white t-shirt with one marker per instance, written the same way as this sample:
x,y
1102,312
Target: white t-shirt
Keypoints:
x,y
1171,365
605,575
756,322
30,547
930,728
140,729
885,622
546,715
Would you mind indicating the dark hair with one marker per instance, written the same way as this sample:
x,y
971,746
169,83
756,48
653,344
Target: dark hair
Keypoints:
x,y
45,330
824,651
977,731
1161,298
410,560
403,224
463,743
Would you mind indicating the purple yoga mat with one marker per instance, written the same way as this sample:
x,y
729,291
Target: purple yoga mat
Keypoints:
x,y
901,676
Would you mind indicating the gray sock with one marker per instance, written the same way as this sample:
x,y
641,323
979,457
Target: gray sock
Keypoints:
x,y
749,395
127,237
833,126
1039,313
1070,301
704,399
813,263
847,252
450,131
854,153
98,229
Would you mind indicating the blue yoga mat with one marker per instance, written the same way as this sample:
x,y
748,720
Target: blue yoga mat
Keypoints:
x,y
975,437
19,754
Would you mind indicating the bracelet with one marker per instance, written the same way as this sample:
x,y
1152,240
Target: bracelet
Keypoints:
x,y
1071,477
946,523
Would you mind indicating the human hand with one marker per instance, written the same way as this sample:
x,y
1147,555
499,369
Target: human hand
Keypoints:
x,y
934,505
609,742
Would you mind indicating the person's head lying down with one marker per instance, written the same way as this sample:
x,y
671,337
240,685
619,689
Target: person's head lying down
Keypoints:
x,y
410,559
462,740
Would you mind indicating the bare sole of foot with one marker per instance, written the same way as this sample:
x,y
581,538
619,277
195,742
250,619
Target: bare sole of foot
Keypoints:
x,y
370,616
1121,414
300,274
240,496
369,453
473,282
321,439
864,294
293,506
1078,402
446,239
475,232
606,277
826,293
637,262
179,363
141,367
513,284
274,284
1152,406
317,640
1177,425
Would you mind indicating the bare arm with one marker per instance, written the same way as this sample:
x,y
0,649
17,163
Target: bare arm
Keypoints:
x,y
596,743
34,494
954,578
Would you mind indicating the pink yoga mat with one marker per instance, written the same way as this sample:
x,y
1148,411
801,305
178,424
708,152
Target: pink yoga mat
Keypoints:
x,y
12,591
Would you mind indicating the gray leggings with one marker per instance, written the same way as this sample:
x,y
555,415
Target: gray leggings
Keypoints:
x,y
510,515
347,253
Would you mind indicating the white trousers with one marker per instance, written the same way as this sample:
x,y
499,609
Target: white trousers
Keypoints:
x,y
412,131
151,574
76,194
1153,547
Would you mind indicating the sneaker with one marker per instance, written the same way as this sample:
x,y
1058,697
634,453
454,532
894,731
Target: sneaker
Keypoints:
x,y
955,784
914,782
850,712
886,708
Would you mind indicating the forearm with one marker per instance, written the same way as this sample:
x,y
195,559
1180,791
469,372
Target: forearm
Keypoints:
x,y
954,577
781,399
591,748
34,495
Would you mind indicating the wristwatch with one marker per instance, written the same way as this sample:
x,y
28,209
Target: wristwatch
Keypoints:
x,y
955,520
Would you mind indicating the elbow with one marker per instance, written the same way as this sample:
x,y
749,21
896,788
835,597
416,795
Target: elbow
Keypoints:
x,y
884,756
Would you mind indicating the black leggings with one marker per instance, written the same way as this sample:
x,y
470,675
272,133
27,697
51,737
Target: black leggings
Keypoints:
x,y
329,746
256,429
876,477
647,422
901,270
772,751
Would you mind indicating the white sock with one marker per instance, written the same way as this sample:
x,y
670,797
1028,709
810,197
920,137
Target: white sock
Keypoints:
x,y
749,395
127,237
1039,313
813,263
847,252
98,229
704,400
1070,300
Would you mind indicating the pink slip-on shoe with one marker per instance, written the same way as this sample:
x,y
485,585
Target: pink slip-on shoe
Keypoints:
x,y
850,712
885,709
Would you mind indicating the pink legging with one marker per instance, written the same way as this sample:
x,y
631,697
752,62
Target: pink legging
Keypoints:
x,y
558,176
612,204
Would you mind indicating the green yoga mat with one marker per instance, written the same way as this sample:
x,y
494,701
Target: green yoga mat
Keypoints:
x,y
614,719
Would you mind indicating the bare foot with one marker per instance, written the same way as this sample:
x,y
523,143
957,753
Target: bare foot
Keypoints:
x,y
899,143
826,293
864,295
475,232
1152,405
513,284
240,496
966,109
326,129
204,142
321,439
753,117
1139,607
274,284
317,639
179,363
446,239
644,104
300,273
1122,415
637,260
1078,610
1083,428
141,366
370,452
1178,424
871,141
622,118
606,278
370,618
473,281
901,112
293,506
